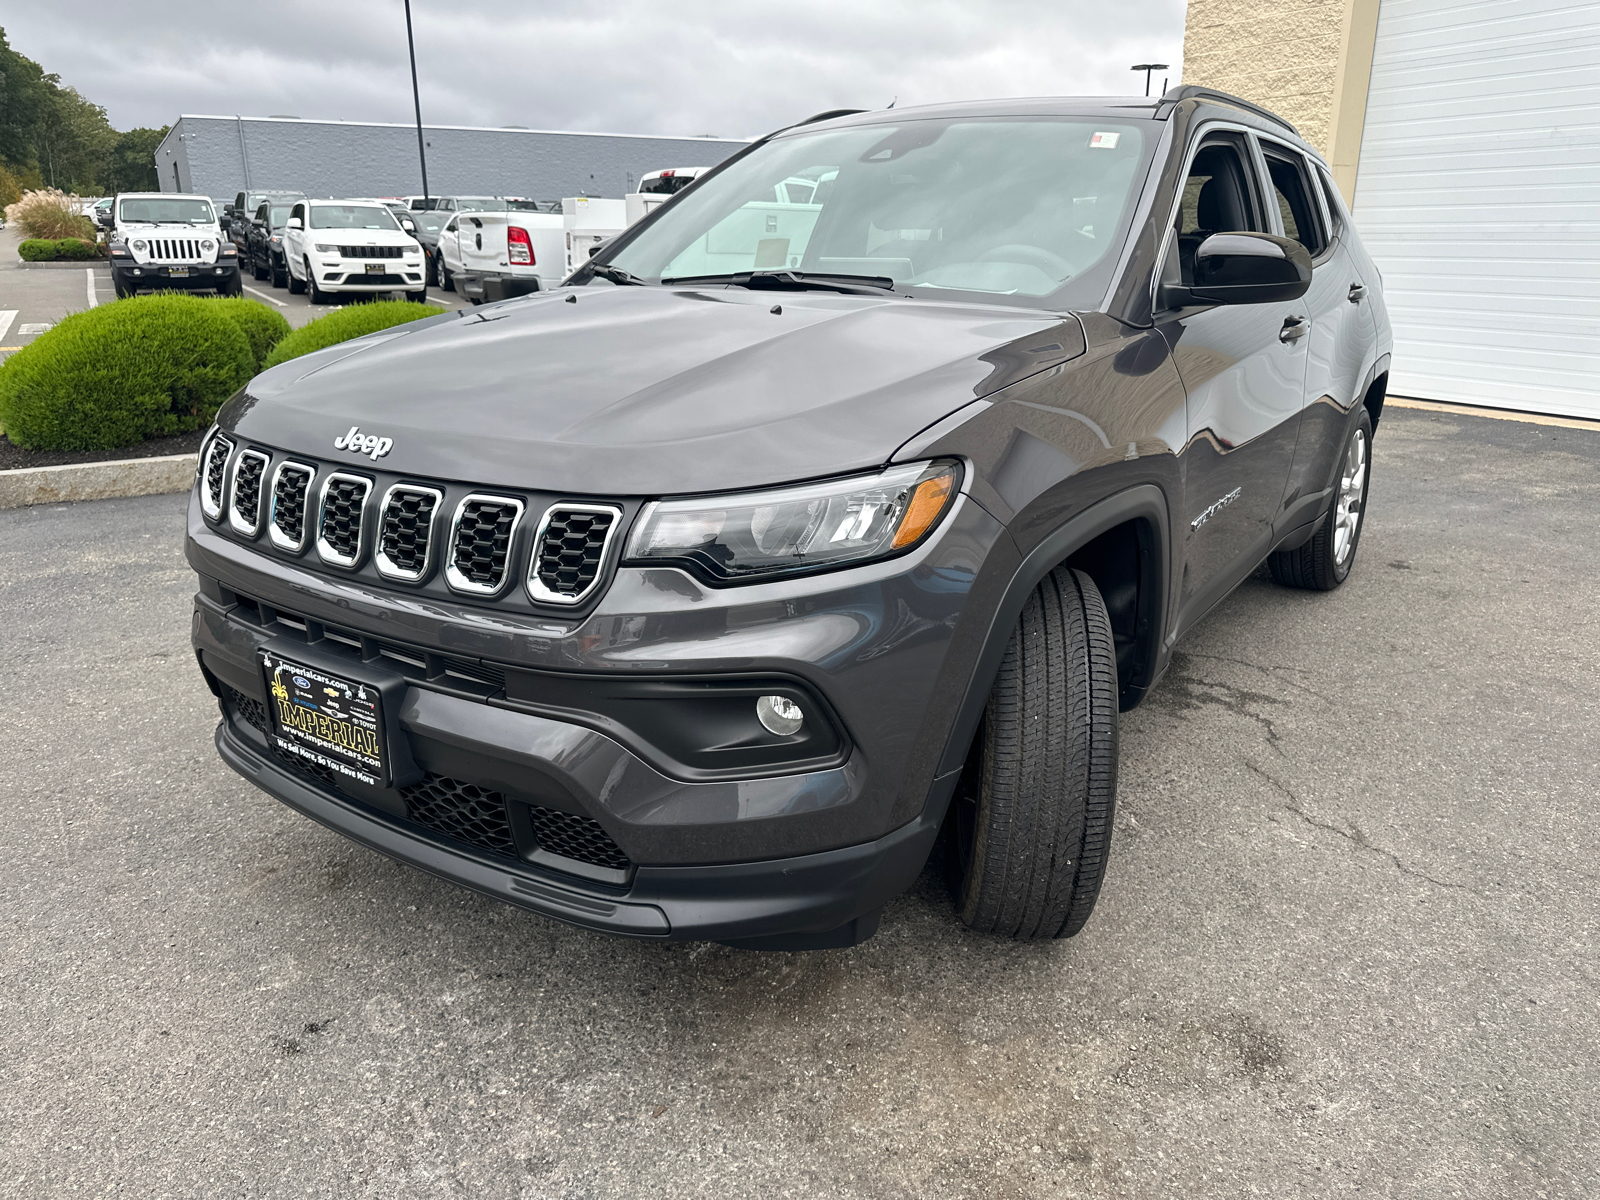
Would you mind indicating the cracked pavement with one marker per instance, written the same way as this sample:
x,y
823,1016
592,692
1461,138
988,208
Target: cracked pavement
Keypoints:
x,y
1347,943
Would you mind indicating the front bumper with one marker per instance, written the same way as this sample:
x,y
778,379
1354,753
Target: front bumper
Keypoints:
x,y
490,288
200,277
812,901
398,276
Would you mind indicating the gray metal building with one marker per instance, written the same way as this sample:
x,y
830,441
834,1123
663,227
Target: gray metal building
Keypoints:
x,y
219,156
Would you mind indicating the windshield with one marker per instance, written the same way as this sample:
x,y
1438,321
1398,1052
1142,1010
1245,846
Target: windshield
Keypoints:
x,y
476,203
351,216
278,215
988,208
153,209
429,221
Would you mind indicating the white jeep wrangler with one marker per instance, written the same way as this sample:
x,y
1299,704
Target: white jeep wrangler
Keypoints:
x,y
162,240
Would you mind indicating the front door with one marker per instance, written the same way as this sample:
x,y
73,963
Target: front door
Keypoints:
x,y
1244,367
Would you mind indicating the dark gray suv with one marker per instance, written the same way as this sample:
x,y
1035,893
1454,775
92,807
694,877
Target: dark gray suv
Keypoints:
x,y
693,599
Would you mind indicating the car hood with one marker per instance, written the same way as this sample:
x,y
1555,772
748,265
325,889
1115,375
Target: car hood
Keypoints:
x,y
651,391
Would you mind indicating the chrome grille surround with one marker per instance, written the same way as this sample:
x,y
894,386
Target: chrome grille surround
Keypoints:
x,y
214,475
544,568
454,576
244,499
331,552
276,533
425,529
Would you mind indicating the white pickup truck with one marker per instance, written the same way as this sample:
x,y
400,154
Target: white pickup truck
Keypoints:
x,y
487,255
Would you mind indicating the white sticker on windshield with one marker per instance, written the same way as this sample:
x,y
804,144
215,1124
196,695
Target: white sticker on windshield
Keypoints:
x,y
1104,141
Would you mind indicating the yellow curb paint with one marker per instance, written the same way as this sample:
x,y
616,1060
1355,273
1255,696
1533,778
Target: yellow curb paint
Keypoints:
x,y
1498,414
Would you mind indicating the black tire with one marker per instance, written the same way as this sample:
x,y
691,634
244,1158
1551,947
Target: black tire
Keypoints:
x,y
1037,800
418,297
433,272
258,269
318,296
1324,562
123,290
279,271
447,281
236,288
297,287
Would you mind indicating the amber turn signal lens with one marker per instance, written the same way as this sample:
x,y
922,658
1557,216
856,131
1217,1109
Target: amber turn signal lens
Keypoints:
x,y
928,500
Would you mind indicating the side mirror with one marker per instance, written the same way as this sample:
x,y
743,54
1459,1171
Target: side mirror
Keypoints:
x,y
408,226
294,223
1246,268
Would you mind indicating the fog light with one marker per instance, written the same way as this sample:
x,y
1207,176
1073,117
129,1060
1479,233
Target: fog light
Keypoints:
x,y
780,715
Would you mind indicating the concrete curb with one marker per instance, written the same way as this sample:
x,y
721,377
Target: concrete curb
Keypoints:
x,y
97,481
94,264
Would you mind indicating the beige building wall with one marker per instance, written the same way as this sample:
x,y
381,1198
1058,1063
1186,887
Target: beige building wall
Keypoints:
x,y
1309,60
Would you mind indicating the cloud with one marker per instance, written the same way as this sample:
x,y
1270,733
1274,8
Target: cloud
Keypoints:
x,y
734,68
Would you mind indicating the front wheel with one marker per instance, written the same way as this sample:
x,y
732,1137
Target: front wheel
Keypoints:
x,y
1035,807
1324,562
297,287
318,296
418,297
447,281
258,268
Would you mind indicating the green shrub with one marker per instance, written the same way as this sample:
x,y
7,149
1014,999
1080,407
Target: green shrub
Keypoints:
x,y
76,249
37,249
262,327
121,373
347,323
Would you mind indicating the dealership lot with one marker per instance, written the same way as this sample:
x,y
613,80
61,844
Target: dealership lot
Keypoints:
x,y
1347,942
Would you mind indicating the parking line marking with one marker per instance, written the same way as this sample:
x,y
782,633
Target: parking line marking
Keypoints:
x,y
7,316
1497,414
264,296
93,299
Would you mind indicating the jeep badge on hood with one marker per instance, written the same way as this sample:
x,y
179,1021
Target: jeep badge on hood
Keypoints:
x,y
359,443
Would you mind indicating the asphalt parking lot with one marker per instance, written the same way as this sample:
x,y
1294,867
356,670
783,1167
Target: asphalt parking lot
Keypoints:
x,y
1347,945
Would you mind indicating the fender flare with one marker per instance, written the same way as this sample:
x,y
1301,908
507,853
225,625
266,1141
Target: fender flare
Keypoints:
x,y
1145,503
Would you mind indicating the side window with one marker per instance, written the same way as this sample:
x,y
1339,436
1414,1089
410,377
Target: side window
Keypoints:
x,y
299,210
1292,190
261,212
1330,192
1216,199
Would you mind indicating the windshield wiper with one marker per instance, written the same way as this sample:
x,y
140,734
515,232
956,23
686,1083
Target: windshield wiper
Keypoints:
x,y
615,275
794,281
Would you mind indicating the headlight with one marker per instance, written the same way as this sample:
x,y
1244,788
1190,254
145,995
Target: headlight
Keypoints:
x,y
321,249
138,244
787,531
208,244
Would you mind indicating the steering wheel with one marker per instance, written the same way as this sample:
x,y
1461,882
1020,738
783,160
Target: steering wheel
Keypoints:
x,y
1034,256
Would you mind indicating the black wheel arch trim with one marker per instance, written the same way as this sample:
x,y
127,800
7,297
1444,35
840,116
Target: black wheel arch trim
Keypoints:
x,y
1145,505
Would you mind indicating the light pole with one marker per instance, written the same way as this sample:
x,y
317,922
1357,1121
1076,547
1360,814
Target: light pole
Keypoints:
x,y
416,99
1147,68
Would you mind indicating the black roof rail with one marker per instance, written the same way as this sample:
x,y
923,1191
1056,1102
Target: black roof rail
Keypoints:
x,y
1192,92
828,115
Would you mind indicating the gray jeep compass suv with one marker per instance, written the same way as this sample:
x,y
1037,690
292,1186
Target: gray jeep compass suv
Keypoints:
x,y
693,599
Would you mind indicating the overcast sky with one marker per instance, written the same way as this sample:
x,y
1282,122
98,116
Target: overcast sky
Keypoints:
x,y
733,68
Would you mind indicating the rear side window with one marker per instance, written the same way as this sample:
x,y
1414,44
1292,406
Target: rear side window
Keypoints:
x,y
1330,191
1296,202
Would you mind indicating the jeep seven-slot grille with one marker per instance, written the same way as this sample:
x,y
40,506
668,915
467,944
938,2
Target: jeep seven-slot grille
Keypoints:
x,y
342,504
289,504
406,529
216,473
482,543
570,552
372,252
174,250
247,490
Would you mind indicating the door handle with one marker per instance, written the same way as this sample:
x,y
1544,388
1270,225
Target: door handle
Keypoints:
x,y
1357,293
1294,328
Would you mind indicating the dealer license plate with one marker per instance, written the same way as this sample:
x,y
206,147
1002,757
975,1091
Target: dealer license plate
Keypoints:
x,y
376,268
326,720
178,272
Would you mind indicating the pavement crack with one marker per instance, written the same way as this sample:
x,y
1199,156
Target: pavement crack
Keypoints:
x,y
1272,672
1356,838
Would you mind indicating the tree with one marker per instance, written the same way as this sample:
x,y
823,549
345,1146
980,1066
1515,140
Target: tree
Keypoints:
x,y
131,166
74,140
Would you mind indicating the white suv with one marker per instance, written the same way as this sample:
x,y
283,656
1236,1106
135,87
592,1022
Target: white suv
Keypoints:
x,y
164,240
351,246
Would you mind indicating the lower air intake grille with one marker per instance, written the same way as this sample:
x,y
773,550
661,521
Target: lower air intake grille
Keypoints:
x,y
571,550
463,811
289,506
252,711
406,530
482,543
342,503
575,837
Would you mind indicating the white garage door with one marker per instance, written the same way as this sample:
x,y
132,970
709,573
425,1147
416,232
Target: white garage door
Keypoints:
x,y
1478,195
